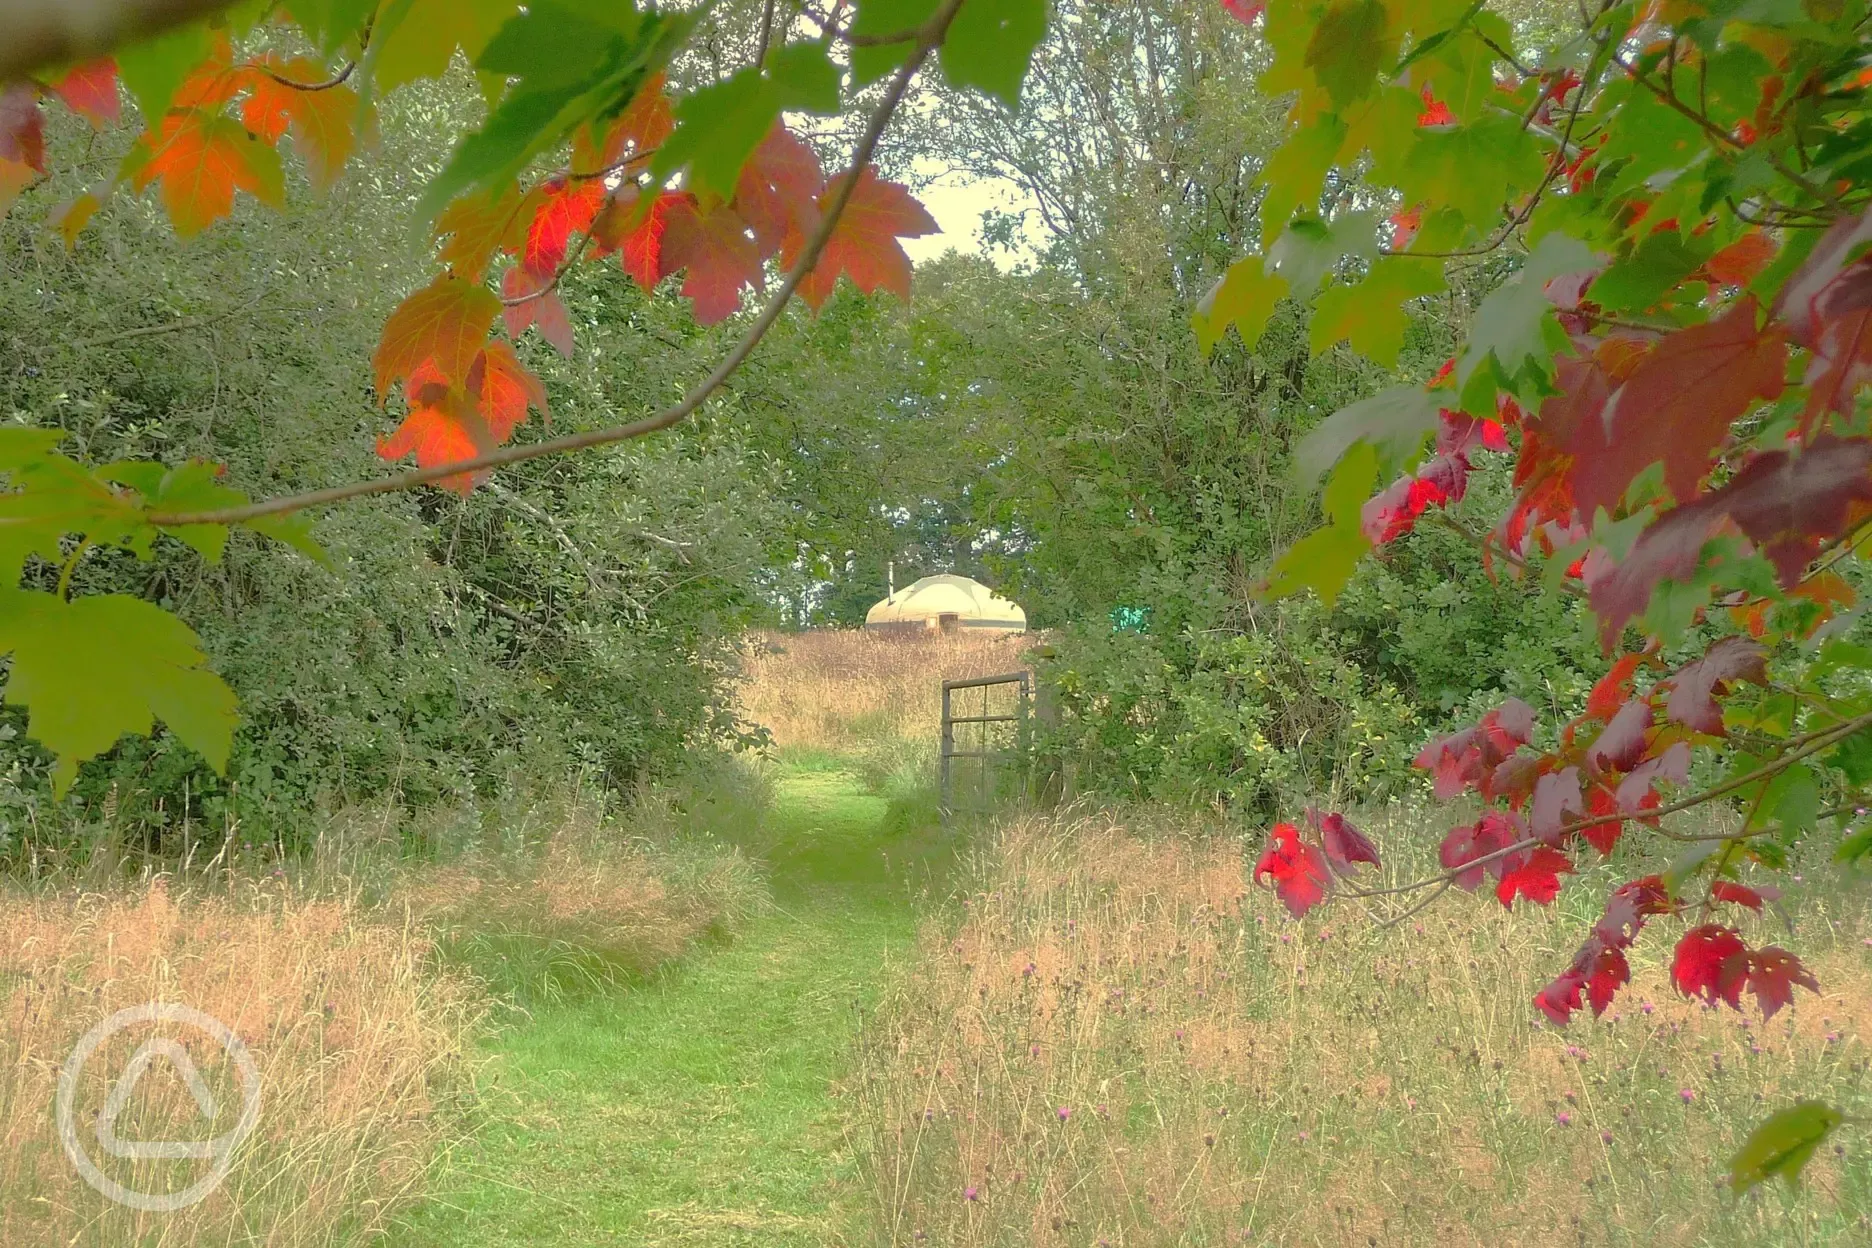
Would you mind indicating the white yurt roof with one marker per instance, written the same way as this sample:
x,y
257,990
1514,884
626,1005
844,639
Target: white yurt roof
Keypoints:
x,y
972,603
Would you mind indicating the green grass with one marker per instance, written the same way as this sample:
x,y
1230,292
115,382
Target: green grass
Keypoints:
x,y
698,1107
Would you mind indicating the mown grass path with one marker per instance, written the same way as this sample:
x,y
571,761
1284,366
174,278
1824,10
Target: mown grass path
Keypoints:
x,y
698,1107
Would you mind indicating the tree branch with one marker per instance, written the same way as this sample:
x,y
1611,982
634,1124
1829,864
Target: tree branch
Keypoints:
x,y
929,39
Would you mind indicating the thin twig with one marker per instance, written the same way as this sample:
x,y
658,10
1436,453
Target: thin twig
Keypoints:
x,y
769,314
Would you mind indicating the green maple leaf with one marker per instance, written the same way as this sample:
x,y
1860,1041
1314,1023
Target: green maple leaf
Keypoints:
x,y
1325,559
1655,266
719,126
1783,1145
554,93
92,669
1370,314
1245,297
1351,43
1392,422
988,48
1516,323
1475,168
1309,248
154,68
1296,171
417,38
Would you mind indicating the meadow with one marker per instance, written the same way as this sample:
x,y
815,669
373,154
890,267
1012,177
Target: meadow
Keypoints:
x,y
779,1003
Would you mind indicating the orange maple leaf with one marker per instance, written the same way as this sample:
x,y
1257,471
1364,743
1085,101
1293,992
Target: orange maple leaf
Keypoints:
x,y
450,423
201,160
864,245
321,120
639,130
477,227
445,324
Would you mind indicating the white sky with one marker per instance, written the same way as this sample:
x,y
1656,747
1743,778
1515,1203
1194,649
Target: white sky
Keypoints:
x,y
957,202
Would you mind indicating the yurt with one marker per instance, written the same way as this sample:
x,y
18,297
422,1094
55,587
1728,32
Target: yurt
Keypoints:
x,y
945,604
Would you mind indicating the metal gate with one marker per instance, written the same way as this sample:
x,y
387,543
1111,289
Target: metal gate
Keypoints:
x,y
999,730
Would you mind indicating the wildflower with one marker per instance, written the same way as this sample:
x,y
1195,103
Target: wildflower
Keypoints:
x,y
1646,1007
1065,1112
1687,1094
1102,1111
971,1193
1027,971
1563,1118
1034,1051
1605,1137
1305,1136
1325,936
1286,938
1832,1037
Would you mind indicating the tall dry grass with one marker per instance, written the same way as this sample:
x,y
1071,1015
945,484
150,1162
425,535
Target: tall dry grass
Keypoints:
x,y
1125,1043
845,689
360,1047
359,975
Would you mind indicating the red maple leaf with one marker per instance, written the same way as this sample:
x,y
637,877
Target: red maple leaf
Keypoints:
x,y
449,423
528,301
1786,502
1842,348
1697,684
714,246
1244,11
1711,964
1838,248
778,195
1620,745
1603,835
635,231
567,207
1404,226
1344,844
1435,112
1470,756
442,326
1494,832
22,126
1627,909
1556,795
214,81
1742,895
1679,402
90,90
1297,869
1612,690
1537,877
1772,974
864,245
505,390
